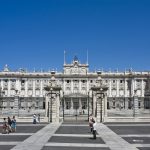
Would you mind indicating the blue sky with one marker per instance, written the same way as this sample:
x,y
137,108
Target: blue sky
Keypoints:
x,y
35,33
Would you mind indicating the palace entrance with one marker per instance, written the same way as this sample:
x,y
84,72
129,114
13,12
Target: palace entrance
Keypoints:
x,y
76,107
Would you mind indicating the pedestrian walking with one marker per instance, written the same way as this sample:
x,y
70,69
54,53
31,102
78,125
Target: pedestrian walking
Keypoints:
x,y
13,124
9,122
5,127
91,123
38,118
34,119
94,129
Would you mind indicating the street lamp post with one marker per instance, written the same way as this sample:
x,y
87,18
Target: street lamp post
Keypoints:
x,y
88,105
63,106
51,97
100,96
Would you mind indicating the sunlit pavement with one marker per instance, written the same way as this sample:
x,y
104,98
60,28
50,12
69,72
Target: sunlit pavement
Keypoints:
x,y
77,136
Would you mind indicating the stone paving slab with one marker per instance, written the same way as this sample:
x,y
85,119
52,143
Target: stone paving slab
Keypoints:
x,y
74,148
73,130
27,124
135,135
124,123
76,140
140,140
79,125
12,134
130,129
28,129
39,139
143,148
13,138
76,135
112,140
6,147
9,143
129,125
43,123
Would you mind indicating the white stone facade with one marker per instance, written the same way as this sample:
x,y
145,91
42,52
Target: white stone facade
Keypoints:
x,y
76,81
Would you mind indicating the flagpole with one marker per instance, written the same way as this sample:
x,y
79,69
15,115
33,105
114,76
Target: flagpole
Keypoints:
x,y
64,57
87,58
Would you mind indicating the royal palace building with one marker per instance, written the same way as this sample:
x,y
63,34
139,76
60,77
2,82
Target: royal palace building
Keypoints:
x,y
76,93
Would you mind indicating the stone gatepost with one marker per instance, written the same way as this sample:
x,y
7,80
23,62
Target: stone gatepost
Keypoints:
x,y
52,99
55,108
52,107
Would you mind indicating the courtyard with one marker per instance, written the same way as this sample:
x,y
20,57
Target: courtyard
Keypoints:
x,y
76,135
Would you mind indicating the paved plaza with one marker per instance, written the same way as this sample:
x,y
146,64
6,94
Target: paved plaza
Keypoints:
x,y
77,136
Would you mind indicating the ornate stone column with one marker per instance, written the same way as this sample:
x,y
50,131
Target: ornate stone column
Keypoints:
x,y
53,99
101,99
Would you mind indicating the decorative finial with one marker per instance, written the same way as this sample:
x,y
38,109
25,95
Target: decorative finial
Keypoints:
x,y
64,57
87,57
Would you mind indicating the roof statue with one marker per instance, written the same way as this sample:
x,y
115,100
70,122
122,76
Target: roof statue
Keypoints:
x,y
75,58
6,69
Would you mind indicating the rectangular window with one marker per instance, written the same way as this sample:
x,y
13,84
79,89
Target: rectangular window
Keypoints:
x,y
22,81
114,104
68,104
68,81
84,104
83,81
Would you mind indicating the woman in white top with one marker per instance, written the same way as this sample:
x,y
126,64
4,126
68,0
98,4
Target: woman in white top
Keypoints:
x,y
94,129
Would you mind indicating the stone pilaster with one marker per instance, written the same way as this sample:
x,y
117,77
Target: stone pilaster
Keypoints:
x,y
26,88
110,95
88,82
16,105
136,107
33,88
117,89
9,82
80,85
132,87
72,86
41,88
142,88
